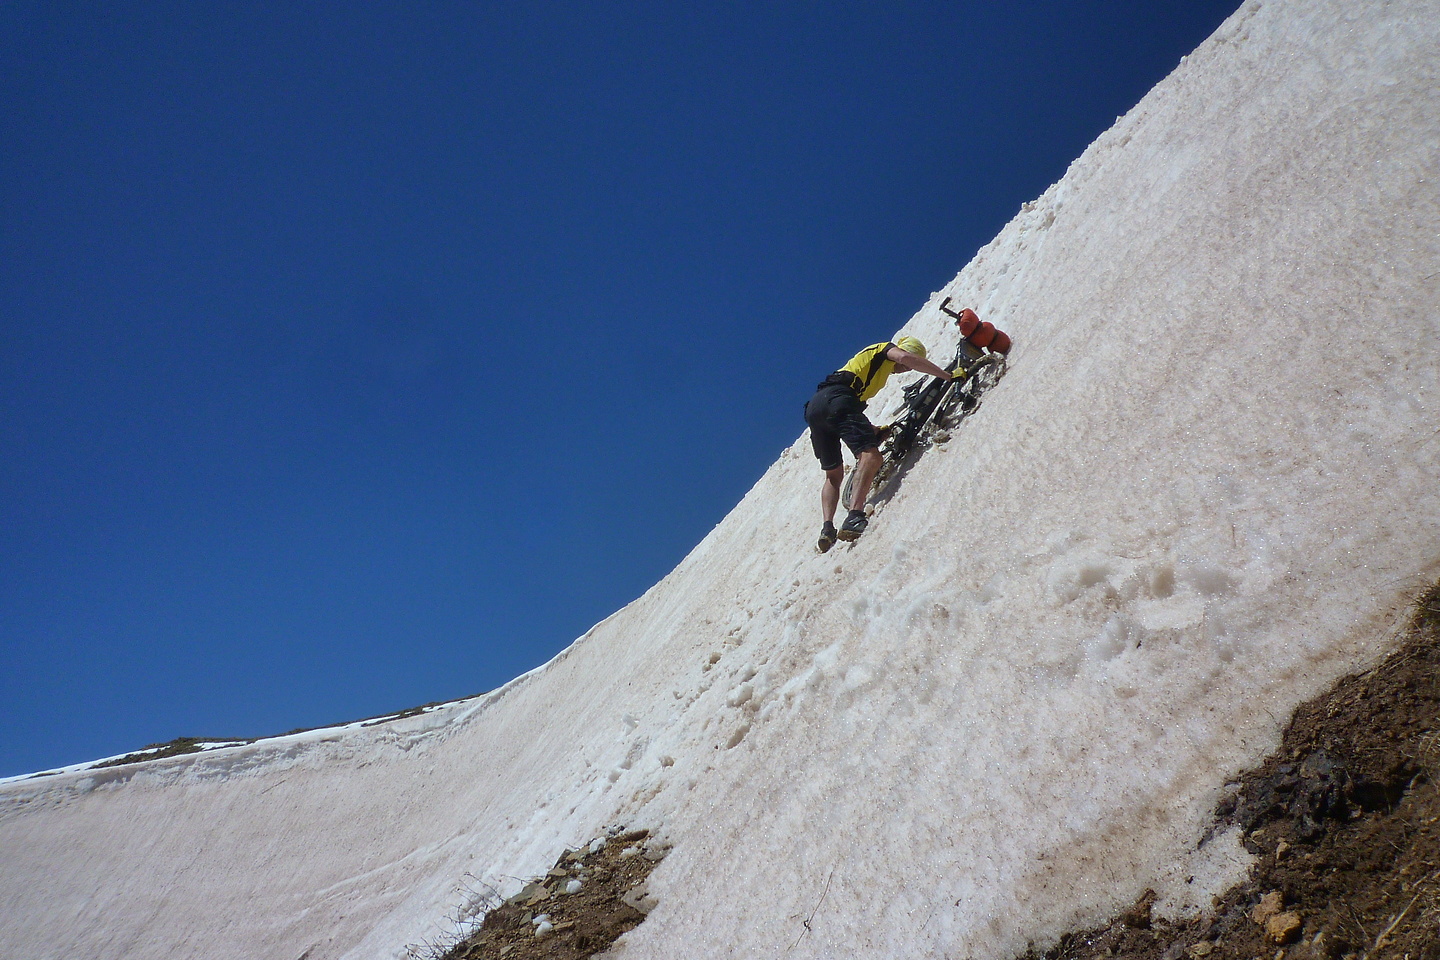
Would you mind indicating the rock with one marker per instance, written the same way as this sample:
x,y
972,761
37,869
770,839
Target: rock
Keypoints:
x,y
1138,916
530,894
1269,905
639,899
1281,849
1201,949
1283,927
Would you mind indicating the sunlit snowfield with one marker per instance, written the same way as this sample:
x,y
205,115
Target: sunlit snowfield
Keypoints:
x,y
1206,488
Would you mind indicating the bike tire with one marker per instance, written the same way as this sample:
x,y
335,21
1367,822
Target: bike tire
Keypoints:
x,y
893,454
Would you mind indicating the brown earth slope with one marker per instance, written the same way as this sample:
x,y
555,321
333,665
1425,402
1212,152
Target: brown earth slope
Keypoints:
x,y
590,898
1345,820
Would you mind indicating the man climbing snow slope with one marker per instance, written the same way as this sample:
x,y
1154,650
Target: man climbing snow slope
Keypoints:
x,y
837,412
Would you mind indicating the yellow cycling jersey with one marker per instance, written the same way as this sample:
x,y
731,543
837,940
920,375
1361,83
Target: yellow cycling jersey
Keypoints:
x,y
870,368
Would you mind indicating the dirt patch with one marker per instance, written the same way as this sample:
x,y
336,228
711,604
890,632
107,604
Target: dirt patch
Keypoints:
x,y
181,746
585,903
1345,819
175,748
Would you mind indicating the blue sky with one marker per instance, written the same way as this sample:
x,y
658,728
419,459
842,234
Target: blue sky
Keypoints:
x,y
355,356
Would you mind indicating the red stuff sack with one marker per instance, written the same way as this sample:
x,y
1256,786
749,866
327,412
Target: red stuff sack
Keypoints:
x,y
982,333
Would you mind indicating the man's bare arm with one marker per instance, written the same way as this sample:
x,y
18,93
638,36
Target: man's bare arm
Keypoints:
x,y
916,362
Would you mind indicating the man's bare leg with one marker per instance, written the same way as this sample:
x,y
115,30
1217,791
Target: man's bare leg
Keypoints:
x,y
866,466
829,500
830,493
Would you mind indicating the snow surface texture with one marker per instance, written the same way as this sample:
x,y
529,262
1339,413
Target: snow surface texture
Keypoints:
x,y
1207,484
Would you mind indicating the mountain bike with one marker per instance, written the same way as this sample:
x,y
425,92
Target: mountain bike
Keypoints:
x,y
934,408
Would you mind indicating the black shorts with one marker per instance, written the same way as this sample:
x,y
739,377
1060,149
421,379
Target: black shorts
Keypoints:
x,y
836,414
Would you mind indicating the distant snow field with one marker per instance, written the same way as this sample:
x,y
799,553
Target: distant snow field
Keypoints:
x,y
1207,483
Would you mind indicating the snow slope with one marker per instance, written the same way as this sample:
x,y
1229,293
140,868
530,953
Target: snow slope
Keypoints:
x,y
1204,490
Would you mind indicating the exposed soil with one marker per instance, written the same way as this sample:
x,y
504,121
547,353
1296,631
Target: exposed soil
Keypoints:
x,y
183,745
1345,819
158,751
545,922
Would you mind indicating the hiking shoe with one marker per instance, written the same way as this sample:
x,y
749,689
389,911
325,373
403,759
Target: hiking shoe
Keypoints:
x,y
827,537
854,525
